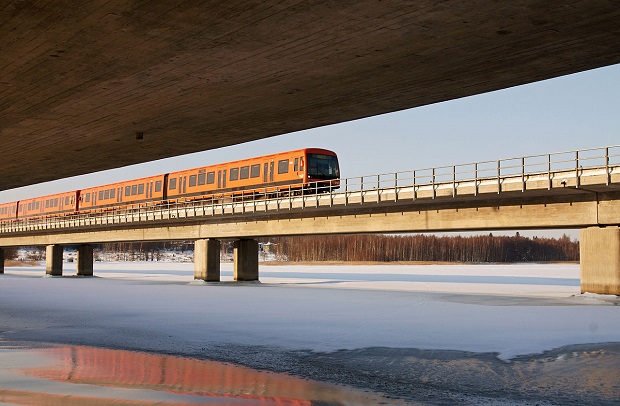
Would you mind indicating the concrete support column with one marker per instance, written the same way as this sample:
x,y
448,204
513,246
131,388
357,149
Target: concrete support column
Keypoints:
x,y
599,250
85,260
1,260
246,260
53,260
207,260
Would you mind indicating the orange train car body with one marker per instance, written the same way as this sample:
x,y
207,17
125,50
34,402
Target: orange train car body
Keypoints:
x,y
52,205
306,170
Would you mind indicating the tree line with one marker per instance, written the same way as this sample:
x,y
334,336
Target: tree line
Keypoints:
x,y
392,248
374,248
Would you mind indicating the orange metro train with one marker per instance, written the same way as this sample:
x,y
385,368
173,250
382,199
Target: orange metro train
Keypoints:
x,y
304,170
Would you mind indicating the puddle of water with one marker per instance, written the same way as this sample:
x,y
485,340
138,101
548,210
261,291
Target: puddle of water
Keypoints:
x,y
84,375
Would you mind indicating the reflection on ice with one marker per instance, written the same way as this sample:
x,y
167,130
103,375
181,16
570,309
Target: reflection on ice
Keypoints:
x,y
84,375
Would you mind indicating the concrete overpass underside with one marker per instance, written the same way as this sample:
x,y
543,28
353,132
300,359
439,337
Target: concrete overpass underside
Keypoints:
x,y
83,81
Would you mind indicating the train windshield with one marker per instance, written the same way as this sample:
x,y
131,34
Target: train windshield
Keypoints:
x,y
323,166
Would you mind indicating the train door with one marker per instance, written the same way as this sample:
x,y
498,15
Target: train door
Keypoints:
x,y
271,171
149,190
94,196
165,186
119,195
219,179
265,172
224,179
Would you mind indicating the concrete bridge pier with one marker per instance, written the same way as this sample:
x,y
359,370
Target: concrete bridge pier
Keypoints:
x,y
1,260
599,251
53,260
246,260
85,260
207,260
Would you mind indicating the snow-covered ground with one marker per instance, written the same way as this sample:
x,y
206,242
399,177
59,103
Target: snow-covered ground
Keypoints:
x,y
509,309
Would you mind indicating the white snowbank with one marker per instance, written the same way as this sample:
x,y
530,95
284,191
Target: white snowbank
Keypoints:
x,y
509,309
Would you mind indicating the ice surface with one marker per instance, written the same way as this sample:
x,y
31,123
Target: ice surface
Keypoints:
x,y
509,309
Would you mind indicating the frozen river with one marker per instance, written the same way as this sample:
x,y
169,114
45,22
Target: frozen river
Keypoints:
x,y
445,327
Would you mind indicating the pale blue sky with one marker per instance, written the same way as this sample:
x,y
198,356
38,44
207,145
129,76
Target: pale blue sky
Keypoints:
x,y
572,112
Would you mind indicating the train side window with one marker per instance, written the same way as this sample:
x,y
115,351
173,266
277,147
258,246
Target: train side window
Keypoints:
x,y
47,204
29,206
134,190
141,188
234,173
112,193
210,178
158,186
106,194
255,171
100,195
56,202
192,180
37,206
201,178
296,166
127,190
87,197
244,172
173,184
283,166
67,200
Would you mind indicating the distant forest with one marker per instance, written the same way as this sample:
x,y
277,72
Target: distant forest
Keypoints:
x,y
374,248
386,248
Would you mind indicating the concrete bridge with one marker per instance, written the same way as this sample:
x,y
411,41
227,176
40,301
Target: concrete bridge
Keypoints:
x,y
577,189
100,84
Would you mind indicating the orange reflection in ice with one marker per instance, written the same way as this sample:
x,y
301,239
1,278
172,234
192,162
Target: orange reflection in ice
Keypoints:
x,y
125,369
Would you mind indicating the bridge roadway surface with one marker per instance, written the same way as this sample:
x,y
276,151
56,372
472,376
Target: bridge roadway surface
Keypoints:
x,y
94,85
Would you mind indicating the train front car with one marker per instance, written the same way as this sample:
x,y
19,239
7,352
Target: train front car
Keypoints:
x,y
322,170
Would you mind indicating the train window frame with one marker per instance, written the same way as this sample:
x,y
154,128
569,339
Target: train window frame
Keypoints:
x,y
127,190
158,185
106,194
134,190
100,197
233,174
37,206
193,180
244,172
112,193
283,165
47,203
67,200
172,185
255,171
87,198
56,202
29,206
141,188
296,165
211,178
202,178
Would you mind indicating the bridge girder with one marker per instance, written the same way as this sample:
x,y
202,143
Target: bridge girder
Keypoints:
x,y
88,86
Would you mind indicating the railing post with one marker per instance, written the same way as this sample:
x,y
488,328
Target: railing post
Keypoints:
x,y
549,172
415,192
499,176
433,182
378,188
523,174
476,179
453,180
331,194
607,174
395,187
346,190
577,183
361,190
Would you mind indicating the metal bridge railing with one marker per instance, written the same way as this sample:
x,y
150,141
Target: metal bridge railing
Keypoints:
x,y
395,186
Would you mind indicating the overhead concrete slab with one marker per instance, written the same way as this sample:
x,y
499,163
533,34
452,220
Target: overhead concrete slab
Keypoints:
x,y
88,86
